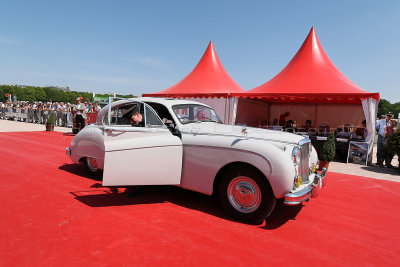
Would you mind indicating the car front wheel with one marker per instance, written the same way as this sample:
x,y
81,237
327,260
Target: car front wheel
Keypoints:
x,y
246,194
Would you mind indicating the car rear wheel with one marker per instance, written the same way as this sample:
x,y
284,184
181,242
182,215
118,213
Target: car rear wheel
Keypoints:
x,y
246,194
92,166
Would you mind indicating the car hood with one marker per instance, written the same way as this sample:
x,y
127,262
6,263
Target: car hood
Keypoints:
x,y
210,128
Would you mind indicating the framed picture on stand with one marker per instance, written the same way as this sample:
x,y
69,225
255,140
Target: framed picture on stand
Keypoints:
x,y
358,153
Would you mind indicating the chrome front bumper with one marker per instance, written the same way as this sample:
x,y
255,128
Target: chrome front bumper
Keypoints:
x,y
312,190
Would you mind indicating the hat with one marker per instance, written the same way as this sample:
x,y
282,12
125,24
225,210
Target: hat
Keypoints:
x,y
78,99
390,114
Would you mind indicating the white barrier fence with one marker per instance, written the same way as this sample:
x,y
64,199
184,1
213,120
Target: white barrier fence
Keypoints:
x,y
62,118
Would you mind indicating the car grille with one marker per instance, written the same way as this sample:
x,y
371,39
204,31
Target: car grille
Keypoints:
x,y
304,166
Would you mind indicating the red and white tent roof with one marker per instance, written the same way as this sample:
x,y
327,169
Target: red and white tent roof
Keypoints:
x,y
208,79
310,77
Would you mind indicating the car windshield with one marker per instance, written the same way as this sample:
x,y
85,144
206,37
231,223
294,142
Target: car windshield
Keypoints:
x,y
193,113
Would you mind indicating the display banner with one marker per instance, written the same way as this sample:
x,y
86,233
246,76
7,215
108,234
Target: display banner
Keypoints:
x,y
358,152
101,99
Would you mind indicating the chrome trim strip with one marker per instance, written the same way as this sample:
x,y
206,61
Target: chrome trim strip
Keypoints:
x,y
241,136
304,141
298,197
136,129
137,148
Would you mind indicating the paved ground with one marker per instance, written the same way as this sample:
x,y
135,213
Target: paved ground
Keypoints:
x,y
367,171
353,169
17,126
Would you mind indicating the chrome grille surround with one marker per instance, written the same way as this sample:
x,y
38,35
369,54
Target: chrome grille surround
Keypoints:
x,y
304,164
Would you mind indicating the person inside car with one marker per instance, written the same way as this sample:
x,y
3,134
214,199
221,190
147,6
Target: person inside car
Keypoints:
x,y
136,118
132,117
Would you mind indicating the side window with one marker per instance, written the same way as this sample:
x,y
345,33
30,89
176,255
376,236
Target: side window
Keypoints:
x,y
152,119
121,115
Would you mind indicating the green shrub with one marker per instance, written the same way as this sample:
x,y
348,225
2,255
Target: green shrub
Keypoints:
x,y
50,120
328,149
393,143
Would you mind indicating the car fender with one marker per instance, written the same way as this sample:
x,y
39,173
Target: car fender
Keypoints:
x,y
205,155
89,142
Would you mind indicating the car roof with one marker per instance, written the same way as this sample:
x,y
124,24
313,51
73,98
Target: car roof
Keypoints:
x,y
168,102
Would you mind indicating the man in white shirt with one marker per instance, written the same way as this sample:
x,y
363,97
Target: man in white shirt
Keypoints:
x,y
80,114
380,130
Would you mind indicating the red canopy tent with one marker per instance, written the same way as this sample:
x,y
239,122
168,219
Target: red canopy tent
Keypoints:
x,y
310,87
208,83
310,77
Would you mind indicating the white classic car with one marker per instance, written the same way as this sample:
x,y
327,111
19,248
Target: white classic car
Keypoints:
x,y
184,143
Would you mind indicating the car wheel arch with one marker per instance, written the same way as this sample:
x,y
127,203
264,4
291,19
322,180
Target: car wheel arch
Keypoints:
x,y
222,170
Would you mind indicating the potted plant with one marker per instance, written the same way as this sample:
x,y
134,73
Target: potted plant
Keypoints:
x,y
392,143
327,152
50,123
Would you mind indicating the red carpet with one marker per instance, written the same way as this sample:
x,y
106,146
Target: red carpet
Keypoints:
x,y
52,214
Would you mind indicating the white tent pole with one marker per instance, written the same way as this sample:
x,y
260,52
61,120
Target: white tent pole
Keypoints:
x,y
233,109
370,107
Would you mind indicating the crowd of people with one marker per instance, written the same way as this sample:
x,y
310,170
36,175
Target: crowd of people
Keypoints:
x,y
384,128
38,112
344,132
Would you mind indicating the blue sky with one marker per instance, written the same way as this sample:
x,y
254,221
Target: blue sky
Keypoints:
x,y
146,46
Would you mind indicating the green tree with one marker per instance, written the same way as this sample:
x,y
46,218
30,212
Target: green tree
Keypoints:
x,y
44,94
384,107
